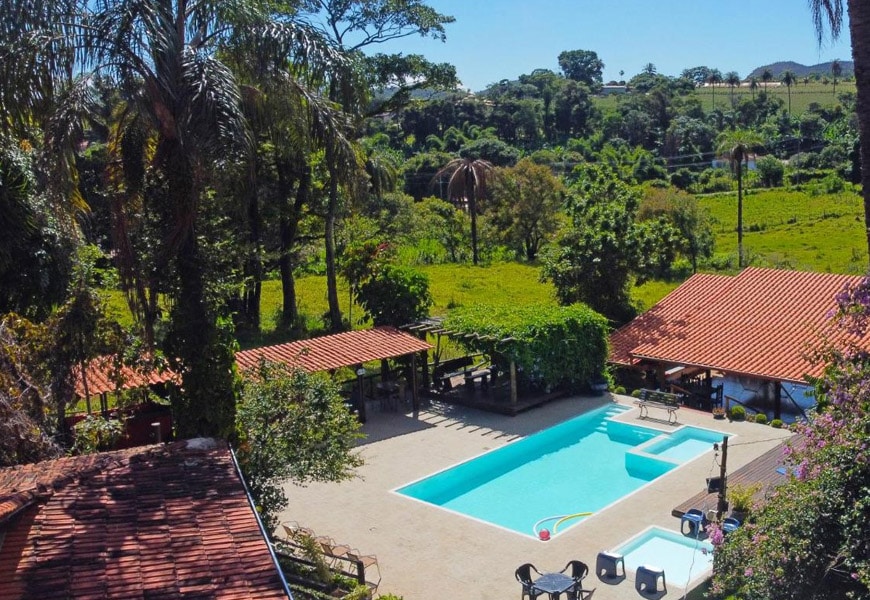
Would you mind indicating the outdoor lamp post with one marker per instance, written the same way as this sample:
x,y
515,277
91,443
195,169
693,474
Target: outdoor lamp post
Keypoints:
x,y
361,408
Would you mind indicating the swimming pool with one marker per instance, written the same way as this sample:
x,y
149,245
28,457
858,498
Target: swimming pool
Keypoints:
x,y
684,559
580,465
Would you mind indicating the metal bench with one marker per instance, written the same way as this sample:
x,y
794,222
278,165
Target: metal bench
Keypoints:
x,y
663,400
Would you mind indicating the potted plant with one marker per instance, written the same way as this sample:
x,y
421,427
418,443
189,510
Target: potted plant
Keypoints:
x,y
718,412
740,499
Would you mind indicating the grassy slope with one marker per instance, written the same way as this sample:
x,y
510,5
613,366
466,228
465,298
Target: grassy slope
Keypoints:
x,y
796,230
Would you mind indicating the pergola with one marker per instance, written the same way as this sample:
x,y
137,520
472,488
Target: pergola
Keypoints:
x,y
759,324
348,349
435,326
325,353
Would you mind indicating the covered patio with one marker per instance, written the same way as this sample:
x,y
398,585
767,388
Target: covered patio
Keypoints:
x,y
755,329
349,349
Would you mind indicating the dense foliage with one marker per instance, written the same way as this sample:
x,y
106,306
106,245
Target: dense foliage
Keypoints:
x,y
553,347
292,425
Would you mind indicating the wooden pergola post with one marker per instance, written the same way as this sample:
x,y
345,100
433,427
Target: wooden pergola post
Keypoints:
x,y
513,382
415,393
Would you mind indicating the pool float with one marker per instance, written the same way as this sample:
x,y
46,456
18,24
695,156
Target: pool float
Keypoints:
x,y
544,534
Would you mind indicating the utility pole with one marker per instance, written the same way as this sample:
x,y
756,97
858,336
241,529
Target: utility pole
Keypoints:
x,y
723,503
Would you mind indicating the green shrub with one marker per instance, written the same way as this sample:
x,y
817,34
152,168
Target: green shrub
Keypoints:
x,y
552,346
619,390
635,393
737,413
776,424
761,418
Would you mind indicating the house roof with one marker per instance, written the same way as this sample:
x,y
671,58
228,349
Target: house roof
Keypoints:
x,y
335,351
102,377
171,521
759,323
315,354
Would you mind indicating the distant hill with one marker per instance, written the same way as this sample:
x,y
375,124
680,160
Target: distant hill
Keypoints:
x,y
778,68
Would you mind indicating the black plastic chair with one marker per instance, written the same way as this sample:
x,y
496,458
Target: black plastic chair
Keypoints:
x,y
579,571
524,576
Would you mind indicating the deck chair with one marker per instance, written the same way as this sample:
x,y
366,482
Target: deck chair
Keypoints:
x,y
369,564
730,524
696,519
524,576
579,570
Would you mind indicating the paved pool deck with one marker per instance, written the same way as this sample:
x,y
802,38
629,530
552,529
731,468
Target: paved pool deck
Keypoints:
x,y
428,553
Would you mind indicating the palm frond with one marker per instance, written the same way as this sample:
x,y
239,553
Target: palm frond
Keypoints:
x,y
830,11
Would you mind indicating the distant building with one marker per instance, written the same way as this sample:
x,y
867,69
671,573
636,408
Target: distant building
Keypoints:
x,y
724,163
608,90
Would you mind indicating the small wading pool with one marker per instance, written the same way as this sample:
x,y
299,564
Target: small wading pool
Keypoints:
x,y
684,559
548,479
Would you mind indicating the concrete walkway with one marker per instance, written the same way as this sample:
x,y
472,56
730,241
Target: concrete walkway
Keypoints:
x,y
427,553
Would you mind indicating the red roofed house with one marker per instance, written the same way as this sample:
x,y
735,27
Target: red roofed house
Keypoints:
x,y
170,521
754,328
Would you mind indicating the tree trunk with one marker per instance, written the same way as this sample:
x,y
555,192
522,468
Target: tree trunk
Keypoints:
x,y
207,405
472,209
859,26
254,268
739,214
290,215
335,324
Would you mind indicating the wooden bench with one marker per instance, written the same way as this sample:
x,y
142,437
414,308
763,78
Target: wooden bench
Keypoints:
x,y
481,375
664,400
444,372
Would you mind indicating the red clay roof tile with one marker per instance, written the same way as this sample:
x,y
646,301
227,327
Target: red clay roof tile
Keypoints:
x,y
759,323
83,534
336,351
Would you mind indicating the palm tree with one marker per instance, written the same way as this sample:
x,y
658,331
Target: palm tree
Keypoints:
x,y
789,79
766,77
753,85
733,81
468,182
836,71
184,107
737,146
859,25
714,79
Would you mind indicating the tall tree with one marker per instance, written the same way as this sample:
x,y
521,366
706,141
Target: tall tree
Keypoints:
x,y
766,77
737,145
525,201
583,66
753,86
859,28
789,79
836,71
353,25
714,79
468,182
733,81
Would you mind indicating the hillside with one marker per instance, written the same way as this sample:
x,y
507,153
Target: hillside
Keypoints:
x,y
778,68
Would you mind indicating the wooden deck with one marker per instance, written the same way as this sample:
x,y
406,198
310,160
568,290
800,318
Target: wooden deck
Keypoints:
x,y
494,397
762,470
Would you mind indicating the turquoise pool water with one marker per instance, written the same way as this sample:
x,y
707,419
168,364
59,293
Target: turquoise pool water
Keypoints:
x,y
581,465
683,559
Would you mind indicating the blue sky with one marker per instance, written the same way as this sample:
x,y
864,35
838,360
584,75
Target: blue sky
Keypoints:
x,y
493,40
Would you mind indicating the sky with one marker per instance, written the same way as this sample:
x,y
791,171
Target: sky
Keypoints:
x,y
493,40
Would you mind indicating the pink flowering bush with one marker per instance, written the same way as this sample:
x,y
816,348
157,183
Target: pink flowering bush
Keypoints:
x,y
811,538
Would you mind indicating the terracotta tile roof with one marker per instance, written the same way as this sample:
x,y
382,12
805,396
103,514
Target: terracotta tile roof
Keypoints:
x,y
167,521
101,378
338,350
758,323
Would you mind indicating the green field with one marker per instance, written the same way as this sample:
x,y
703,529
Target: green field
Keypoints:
x,y
801,95
794,230
783,229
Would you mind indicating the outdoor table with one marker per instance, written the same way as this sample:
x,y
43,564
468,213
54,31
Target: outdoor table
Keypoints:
x,y
553,583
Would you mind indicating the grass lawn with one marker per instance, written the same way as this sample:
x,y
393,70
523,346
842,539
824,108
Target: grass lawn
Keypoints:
x,y
793,229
